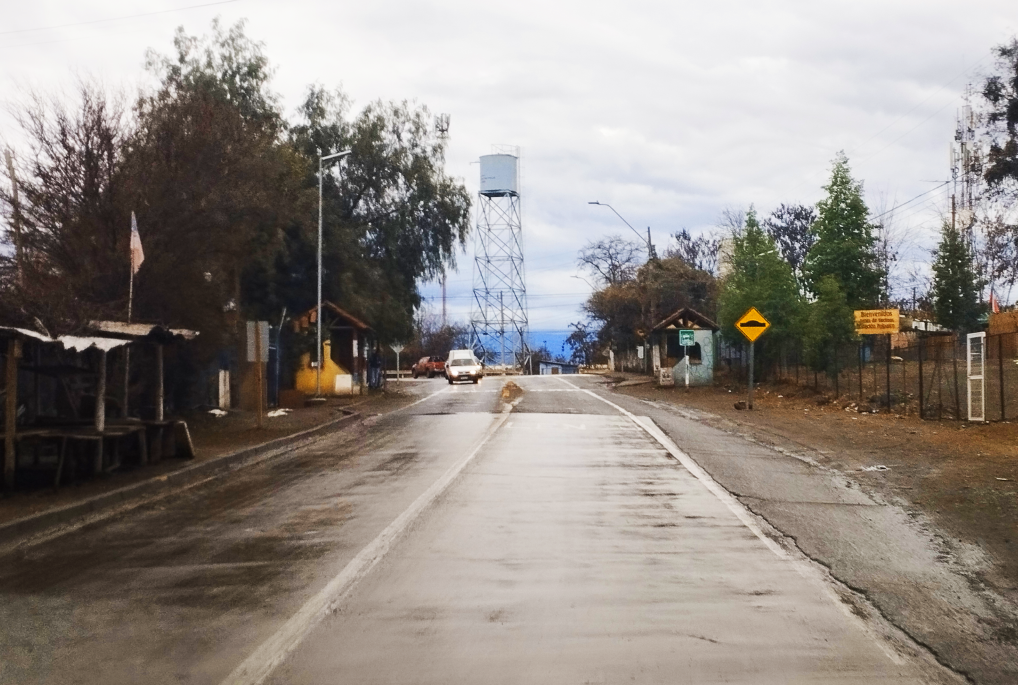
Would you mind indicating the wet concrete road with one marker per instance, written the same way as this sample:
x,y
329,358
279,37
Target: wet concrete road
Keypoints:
x,y
447,542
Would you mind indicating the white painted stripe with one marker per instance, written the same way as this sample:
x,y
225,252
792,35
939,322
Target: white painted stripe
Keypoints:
x,y
803,567
423,399
259,665
733,505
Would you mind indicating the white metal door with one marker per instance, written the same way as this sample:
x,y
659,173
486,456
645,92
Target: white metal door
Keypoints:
x,y
976,380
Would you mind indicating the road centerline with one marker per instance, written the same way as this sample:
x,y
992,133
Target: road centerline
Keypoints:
x,y
260,664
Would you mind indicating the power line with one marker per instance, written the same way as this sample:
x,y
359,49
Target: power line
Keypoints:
x,y
928,98
912,200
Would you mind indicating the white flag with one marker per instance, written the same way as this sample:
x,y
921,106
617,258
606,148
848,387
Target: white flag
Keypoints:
x,y
137,254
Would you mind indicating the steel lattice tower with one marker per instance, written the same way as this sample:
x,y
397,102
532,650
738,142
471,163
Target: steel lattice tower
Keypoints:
x,y
499,317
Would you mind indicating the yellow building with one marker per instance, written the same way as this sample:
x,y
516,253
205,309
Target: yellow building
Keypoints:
x,y
345,343
336,379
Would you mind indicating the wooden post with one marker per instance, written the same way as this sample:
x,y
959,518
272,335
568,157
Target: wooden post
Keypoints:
x,y
258,372
100,413
160,392
11,411
125,401
888,372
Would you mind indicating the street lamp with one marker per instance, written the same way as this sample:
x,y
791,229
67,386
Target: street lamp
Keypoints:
x,y
581,278
318,316
650,245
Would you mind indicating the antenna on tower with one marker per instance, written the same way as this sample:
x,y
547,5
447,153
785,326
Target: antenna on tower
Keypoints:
x,y
442,126
499,317
965,167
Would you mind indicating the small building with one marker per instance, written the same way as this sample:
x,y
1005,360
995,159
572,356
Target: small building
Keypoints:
x,y
549,368
346,341
670,358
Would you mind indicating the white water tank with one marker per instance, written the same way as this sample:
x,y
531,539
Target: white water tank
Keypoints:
x,y
498,175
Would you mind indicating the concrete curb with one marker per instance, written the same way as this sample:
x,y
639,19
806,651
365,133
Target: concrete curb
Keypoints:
x,y
15,531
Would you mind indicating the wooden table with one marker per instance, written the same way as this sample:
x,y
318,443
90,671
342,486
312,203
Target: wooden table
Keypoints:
x,y
86,433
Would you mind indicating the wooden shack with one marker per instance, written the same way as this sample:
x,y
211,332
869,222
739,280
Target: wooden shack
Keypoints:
x,y
670,358
58,413
346,341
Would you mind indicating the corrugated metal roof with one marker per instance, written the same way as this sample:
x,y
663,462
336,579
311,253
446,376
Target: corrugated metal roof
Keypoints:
x,y
71,342
141,330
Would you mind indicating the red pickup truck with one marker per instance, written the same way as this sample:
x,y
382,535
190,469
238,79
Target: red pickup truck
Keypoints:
x,y
428,366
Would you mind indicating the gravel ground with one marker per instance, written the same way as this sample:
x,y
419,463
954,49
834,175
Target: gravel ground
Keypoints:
x,y
962,476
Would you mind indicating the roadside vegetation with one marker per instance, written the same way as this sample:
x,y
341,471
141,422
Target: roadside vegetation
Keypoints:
x,y
806,268
224,185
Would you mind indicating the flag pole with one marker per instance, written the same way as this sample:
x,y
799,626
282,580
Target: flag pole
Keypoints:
x,y
130,305
127,348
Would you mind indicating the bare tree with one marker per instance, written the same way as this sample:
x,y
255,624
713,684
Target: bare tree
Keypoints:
x,y
732,221
791,227
70,210
613,260
700,252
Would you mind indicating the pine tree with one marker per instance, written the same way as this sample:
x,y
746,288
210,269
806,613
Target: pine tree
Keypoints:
x,y
761,278
955,290
828,326
845,246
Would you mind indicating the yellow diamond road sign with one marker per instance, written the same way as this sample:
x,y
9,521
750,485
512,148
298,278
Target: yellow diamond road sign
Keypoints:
x,y
752,324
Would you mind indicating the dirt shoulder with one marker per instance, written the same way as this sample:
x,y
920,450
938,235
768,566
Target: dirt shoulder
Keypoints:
x,y
212,437
963,476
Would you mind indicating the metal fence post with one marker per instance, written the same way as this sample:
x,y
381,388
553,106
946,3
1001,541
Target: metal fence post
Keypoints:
x,y
837,375
888,372
1000,367
954,364
859,351
922,396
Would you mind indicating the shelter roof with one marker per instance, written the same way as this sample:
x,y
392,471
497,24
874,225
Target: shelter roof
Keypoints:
x,y
77,343
686,318
309,316
138,331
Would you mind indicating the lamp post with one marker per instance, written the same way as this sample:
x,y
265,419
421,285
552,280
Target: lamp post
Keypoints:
x,y
318,315
650,245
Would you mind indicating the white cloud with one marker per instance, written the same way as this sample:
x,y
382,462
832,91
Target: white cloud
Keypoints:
x,y
669,111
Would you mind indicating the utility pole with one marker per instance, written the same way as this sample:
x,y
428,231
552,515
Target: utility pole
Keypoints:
x,y
16,218
443,300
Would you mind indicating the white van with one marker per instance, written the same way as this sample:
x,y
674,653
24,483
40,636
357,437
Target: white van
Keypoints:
x,y
460,354
462,365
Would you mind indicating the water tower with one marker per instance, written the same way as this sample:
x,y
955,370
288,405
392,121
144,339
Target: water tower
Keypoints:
x,y
499,316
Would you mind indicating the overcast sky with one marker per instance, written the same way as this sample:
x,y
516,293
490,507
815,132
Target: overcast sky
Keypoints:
x,y
670,111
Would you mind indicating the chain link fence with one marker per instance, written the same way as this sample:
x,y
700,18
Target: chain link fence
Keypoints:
x,y
918,373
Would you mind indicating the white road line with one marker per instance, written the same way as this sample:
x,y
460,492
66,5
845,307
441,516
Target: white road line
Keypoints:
x,y
421,400
733,505
803,567
259,665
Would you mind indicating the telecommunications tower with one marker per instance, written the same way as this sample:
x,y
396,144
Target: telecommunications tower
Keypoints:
x,y
499,317
966,168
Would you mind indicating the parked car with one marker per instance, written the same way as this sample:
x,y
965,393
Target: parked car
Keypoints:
x,y
464,369
428,366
